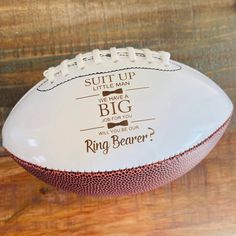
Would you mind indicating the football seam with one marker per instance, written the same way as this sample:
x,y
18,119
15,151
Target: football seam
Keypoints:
x,y
19,160
104,72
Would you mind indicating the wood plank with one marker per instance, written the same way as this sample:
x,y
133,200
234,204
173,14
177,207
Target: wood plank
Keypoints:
x,y
43,28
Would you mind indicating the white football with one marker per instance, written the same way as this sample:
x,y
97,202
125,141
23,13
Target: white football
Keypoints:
x,y
118,121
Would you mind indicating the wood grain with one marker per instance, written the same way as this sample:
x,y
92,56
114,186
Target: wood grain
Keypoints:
x,y
35,35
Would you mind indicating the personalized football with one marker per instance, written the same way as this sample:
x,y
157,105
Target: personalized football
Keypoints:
x,y
117,121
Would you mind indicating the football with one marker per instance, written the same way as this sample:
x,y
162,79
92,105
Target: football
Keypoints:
x,y
115,122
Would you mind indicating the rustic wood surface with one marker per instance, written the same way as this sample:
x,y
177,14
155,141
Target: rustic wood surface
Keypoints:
x,y
35,35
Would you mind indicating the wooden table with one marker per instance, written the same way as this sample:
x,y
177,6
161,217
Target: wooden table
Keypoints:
x,y
37,34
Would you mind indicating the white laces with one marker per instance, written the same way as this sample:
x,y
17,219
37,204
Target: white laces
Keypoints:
x,y
148,55
50,74
131,54
80,61
165,57
114,54
97,55
64,67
